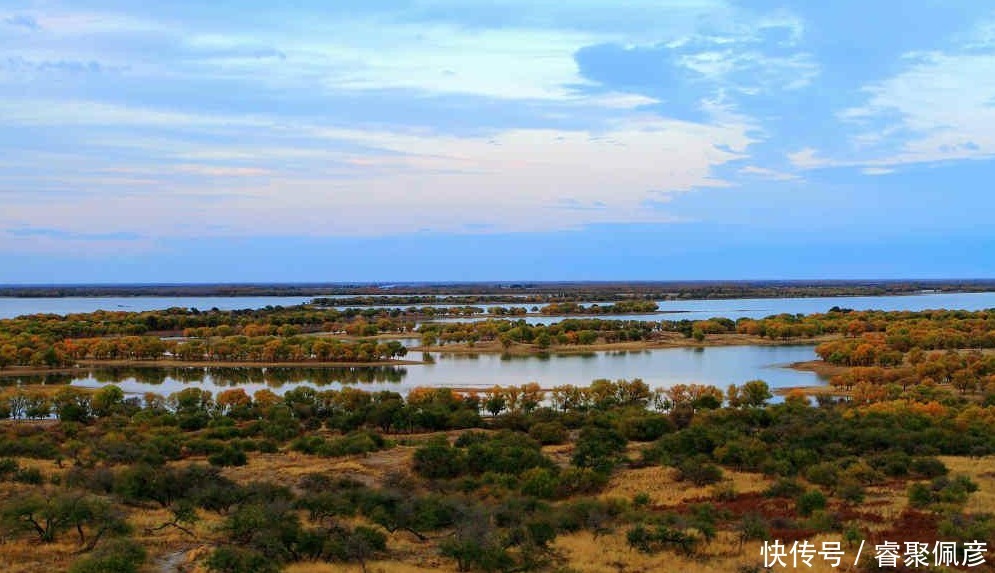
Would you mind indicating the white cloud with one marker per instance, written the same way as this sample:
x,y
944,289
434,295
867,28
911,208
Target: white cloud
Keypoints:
x,y
223,171
85,113
252,173
753,170
615,100
499,63
807,159
877,171
941,107
520,179
78,23
757,71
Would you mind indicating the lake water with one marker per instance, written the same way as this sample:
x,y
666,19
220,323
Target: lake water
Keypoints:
x,y
719,366
762,307
690,309
12,306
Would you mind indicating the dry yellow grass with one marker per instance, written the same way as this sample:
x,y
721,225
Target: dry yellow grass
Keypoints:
x,y
31,557
579,552
286,468
888,502
982,472
371,567
611,553
659,483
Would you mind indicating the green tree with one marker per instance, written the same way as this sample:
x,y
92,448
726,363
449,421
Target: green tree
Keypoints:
x,y
438,460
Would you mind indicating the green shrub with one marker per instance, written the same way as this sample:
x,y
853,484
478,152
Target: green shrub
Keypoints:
x,y
784,487
540,482
824,474
699,472
32,476
810,501
851,492
598,448
229,456
661,537
753,527
645,426
928,468
118,556
439,460
8,468
230,559
548,433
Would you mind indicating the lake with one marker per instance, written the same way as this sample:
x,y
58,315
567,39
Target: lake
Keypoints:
x,y
13,306
689,309
719,366
762,307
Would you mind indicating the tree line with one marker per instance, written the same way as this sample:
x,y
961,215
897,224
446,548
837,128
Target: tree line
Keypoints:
x,y
490,498
36,351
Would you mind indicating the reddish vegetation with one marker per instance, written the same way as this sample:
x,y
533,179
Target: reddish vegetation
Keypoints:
x,y
911,525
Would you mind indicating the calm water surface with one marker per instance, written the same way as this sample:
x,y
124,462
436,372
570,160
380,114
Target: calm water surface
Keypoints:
x,y
719,366
660,368
762,307
11,306
690,309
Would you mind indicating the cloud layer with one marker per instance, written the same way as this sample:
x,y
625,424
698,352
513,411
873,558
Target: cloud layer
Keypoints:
x,y
137,126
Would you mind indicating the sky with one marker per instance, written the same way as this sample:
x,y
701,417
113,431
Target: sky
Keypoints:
x,y
455,140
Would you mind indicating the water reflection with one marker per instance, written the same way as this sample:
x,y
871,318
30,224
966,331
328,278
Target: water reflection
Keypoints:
x,y
670,309
719,366
240,376
763,307
48,379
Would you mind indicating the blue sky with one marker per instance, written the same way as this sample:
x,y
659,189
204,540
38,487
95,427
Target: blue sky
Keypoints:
x,y
512,139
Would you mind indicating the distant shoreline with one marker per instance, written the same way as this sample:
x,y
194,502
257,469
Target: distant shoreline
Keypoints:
x,y
663,290
86,365
490,347
674,341
819,367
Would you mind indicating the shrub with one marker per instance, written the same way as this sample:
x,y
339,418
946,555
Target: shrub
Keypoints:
x,y
8,468
928,467
439,460
825,521
784,487
824,474
30,476
892,464
580,481
851,492
648,540
645,427
698,471
598,448
506,452
810,501
237,560
941,490
229,456
753,527
548,433
119,556
540,482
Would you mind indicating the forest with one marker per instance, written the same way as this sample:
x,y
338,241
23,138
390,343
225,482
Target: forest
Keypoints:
x,y
509,479
900,340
